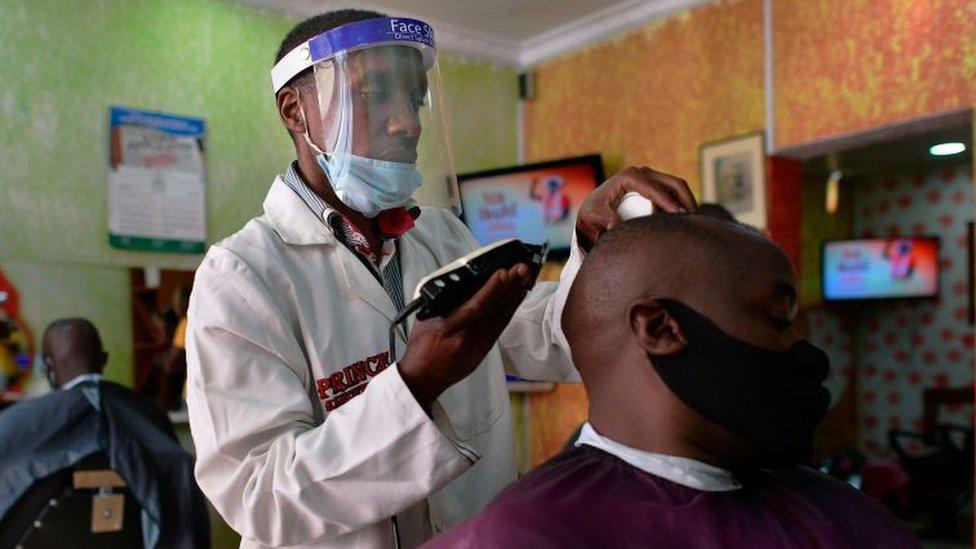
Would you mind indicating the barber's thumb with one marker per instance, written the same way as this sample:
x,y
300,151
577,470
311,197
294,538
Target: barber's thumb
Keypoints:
x,y
522,274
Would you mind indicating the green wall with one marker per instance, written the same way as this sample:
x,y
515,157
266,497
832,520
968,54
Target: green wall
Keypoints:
x,y
818,226
65,63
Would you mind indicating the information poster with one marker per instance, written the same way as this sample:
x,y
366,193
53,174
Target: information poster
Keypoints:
x,y
156,185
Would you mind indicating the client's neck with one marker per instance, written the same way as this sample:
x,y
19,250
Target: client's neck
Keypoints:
x,y
651,427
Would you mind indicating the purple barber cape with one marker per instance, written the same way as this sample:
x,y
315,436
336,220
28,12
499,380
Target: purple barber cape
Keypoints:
x,y
586,497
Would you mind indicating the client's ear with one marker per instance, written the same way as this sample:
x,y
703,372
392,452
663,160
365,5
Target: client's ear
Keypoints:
x,y
655,329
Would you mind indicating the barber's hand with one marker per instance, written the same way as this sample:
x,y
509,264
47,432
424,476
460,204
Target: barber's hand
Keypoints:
x,y
598,213
444,350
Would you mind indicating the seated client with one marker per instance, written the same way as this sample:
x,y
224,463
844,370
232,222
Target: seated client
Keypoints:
x,y
703,401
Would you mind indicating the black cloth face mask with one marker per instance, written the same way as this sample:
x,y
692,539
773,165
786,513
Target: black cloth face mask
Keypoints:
x,y
773,399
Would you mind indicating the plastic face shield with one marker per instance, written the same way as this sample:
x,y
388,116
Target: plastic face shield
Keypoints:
x,y
379,96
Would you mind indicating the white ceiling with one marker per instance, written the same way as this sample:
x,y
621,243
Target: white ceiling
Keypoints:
x,y
513,32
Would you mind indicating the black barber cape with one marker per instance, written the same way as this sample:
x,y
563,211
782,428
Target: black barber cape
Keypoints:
x,y
42,436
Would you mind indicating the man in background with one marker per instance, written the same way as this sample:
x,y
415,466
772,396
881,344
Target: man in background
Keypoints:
x,y
703,401
164,380
86,415
174,363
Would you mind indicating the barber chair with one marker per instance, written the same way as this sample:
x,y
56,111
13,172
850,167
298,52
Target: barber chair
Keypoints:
x,y
941,470
87,505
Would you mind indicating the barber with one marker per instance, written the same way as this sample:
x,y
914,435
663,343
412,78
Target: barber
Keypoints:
x,y
306,433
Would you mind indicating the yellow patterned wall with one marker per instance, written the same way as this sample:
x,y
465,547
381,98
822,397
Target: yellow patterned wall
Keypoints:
x,y
842,66
654,95
649,97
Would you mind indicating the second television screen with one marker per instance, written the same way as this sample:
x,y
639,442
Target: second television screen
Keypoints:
x,y
533,203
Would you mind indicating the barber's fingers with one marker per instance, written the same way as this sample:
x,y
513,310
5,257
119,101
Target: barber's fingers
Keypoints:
x,y
666,192
484,334
501,318
502,284
597,215
522,275
679,187
497,317
521,283
474,308
604,215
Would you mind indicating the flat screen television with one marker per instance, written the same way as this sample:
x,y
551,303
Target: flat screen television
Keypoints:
x,y
881,268
532,202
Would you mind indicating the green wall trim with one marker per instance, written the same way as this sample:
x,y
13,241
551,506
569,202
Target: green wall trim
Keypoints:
x,y
126,242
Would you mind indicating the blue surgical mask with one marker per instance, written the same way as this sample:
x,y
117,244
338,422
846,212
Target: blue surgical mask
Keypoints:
x,y
368,185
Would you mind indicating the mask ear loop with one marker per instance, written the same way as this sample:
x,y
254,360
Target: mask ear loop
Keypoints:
x,y
305,134
338,164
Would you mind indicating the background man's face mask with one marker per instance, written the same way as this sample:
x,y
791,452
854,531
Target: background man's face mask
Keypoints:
x,y
772,399
384,142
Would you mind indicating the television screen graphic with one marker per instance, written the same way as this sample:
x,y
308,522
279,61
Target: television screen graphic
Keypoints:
x,y
533,203
881,268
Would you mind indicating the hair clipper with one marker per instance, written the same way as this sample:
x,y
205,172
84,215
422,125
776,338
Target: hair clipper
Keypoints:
x,y
453,284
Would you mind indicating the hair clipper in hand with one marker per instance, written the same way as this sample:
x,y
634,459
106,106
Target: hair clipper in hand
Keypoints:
x,y
444,289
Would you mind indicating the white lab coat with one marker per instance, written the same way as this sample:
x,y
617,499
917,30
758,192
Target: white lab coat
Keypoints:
x,y
283,319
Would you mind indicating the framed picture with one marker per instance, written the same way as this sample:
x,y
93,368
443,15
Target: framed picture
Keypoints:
x,y
733,174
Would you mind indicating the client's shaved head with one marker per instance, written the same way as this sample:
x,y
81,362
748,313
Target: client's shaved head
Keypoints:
x,y
615,324
698,260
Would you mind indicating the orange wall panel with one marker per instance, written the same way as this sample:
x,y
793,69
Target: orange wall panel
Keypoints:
x,y
553,417
843,66
654,95
649,97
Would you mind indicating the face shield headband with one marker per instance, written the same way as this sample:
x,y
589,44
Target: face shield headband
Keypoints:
x,y
383,31
367,184
372,151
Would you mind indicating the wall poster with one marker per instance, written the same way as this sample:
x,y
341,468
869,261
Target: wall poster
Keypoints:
x,y
156,184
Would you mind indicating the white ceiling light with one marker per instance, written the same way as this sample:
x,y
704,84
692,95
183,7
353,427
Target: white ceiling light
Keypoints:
x,y
946,149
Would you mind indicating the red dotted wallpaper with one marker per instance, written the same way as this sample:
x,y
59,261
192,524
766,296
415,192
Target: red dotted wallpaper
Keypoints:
x,y
826,331
906,347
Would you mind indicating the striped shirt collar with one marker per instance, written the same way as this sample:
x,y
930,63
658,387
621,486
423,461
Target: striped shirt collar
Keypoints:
x,y
343,230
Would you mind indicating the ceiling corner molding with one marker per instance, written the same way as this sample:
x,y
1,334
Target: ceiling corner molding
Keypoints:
x,y
465,42
599,26
475,44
